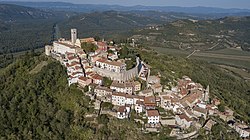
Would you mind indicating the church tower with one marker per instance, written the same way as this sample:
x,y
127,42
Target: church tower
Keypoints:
x,y
73,35
206,94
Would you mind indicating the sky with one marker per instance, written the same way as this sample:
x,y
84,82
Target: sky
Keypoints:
x,y
184,3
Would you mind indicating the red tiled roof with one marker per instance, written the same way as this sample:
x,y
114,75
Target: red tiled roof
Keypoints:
x,y
119,94
122,109
90,39
184,116
77,67
151,113
83,78
102,60
97,77
65,44
72,57
150,100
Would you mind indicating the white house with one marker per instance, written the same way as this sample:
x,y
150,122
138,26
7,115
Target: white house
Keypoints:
x,y
139,106
102,92
137,86
129,99
118,87
122,87
113,66
72,80
153,116
123,112
242,129
119,99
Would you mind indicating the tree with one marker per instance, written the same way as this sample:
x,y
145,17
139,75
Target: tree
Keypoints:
x,y
107,81
221,107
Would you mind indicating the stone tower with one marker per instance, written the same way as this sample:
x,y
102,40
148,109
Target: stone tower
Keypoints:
x,y
48,50
206,94
73,35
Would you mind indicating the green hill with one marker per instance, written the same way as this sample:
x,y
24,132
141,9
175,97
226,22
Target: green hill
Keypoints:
x,y
105,23
9,12
202,35
41,106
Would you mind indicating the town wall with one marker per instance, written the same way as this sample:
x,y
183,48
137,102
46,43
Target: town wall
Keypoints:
x,y
121,77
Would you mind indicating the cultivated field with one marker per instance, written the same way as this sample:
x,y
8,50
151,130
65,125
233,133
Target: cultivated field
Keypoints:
x,y
231,57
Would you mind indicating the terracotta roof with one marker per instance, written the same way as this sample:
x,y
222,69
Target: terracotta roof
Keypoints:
x,y
65,44
83,78
175,100
130,96
166,97
184,91
97,77
158,85
81,52
89,73
128,84
75,73
151,113
116,84
122,109
192,97
150,100
119,94
69,54
184,116
78,67
103,88
72,57
115,63
88,67
102,60
90,39
198,109
139,97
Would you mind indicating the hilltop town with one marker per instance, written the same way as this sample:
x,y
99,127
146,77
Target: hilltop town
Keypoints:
x,y
133,93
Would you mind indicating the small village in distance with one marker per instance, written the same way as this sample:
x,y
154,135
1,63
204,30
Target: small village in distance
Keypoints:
x,y
185,107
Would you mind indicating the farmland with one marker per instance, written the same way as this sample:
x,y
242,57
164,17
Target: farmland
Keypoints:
x,y
231,57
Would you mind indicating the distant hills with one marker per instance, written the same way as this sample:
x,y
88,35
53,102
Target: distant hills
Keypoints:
x,y
105,23
190,34
10,12
62,6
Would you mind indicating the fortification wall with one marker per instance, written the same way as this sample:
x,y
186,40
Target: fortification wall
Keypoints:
x,y
121,77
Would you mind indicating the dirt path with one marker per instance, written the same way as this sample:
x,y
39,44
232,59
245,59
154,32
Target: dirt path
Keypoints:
x,y
38,67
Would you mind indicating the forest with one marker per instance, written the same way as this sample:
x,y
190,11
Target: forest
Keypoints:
x,y
40,105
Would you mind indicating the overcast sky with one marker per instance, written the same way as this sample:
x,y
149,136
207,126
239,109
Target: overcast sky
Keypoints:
x,y
184,3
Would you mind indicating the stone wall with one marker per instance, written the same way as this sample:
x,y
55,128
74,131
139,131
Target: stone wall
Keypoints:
x,y
121,77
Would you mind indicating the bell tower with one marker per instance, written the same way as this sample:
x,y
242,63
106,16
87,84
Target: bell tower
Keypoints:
x,y
73,35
